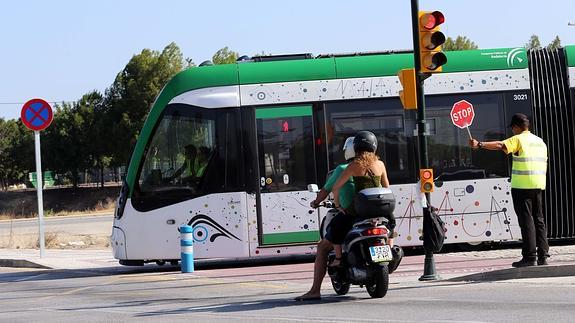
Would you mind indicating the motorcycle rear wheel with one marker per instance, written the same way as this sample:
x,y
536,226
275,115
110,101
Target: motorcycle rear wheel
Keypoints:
x,y
378,287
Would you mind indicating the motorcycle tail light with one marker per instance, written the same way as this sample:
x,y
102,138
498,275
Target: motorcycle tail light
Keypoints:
x,y
375,231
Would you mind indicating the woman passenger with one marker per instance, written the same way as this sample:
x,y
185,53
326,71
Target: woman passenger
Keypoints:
x,y
367,172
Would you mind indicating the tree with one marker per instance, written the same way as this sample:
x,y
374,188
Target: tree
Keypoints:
x,y
65,140
92,111
16,152
189,62
129,99
225,56
555,44
533,43
460,43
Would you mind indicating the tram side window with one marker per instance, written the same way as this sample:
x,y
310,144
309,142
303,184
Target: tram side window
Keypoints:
x,y
448,146
285,147
191,153
385,118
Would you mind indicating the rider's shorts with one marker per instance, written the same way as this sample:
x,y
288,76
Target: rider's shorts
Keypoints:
x,y
339,227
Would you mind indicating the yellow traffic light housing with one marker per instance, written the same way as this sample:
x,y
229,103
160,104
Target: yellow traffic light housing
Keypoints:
x,y
408,94
430,41
426,180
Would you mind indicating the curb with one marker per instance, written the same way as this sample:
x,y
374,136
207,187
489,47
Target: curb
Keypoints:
x,y
519,273
202,264
21,263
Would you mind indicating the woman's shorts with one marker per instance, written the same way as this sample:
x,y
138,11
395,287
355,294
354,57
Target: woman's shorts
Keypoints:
x,y
339,227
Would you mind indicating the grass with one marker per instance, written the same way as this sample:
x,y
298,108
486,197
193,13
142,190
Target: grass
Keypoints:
x,y
50,213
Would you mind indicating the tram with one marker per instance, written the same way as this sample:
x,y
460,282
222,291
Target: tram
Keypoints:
x,y
230,149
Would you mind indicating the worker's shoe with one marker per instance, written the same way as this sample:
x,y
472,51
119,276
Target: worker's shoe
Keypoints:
x,y
524,262
542,261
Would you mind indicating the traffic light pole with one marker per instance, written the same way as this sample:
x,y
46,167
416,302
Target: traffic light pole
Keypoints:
x,y
429,272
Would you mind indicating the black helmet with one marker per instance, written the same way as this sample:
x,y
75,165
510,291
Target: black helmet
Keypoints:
x,y
365,141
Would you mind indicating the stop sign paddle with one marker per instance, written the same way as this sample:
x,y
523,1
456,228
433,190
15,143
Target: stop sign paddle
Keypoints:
x,y
462,115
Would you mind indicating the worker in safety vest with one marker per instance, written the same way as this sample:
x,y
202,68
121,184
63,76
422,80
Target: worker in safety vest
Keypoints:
x,y
189,168
528,177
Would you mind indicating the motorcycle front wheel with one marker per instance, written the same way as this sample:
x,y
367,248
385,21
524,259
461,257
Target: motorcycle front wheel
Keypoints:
x,y
340,287
378,287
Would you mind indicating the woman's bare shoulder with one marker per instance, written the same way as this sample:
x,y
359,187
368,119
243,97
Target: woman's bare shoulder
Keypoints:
x,y
354,168
380,167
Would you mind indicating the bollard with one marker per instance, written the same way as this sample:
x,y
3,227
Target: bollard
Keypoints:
x,y
187,245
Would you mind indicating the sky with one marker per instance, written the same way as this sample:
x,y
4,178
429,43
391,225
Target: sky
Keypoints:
x,y
59,50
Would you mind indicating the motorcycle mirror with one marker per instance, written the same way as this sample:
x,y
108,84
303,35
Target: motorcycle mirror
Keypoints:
x,y
312,188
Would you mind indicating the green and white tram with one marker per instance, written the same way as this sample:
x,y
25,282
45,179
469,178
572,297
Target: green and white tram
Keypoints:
x,y
230,149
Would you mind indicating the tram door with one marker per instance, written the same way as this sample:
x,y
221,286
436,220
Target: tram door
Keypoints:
x,y
286,167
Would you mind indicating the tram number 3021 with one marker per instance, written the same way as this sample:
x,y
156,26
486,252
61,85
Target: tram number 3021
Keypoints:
x,y
519,97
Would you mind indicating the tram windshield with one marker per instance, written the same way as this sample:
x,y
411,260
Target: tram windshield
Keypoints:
x,y
189,153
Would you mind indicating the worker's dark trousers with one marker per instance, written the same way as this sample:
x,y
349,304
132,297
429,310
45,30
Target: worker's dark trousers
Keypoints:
x,y
529,209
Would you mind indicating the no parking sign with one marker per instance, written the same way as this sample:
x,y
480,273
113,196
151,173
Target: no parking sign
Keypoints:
x,y
37,115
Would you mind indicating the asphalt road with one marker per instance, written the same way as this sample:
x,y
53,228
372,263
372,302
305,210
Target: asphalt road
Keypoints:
x,y
99,224
265,294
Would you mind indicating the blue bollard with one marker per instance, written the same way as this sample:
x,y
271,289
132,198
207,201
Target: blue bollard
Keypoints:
x,y
187,245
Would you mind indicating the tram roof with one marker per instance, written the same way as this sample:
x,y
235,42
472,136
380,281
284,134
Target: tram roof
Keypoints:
x,y
339,67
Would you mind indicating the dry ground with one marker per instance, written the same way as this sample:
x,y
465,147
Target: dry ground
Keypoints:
x,y
57,202
54,240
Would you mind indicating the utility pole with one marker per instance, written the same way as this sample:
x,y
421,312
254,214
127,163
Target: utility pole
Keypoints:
x,y
432,57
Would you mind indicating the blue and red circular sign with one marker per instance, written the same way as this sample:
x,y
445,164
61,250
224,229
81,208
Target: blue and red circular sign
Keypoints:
x,y
36,114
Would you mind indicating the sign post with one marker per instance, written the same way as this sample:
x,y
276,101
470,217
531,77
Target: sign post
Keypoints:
x,y
37,115
462,115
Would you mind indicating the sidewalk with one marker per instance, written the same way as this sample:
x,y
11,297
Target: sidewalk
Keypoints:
x,y
463,266
58,258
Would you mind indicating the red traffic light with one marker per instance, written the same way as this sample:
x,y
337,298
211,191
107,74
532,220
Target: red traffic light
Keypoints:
x,y
426,180
430,41
426,174
432,19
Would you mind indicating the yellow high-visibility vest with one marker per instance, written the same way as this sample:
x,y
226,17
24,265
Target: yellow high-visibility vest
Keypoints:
x,y
530,165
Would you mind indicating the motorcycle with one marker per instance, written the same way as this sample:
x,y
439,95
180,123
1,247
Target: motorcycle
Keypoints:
x,y
367,259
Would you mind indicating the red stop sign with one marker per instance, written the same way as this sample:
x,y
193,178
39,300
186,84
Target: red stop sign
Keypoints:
x,y
462,114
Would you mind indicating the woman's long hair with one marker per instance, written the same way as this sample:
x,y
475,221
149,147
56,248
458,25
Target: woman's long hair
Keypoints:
x,y
365,159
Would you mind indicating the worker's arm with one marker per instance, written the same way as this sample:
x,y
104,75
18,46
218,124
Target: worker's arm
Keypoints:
x,y
489,145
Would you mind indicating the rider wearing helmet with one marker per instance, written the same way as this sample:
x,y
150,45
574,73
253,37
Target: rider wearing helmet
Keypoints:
x,y
367,171
348,188
338,226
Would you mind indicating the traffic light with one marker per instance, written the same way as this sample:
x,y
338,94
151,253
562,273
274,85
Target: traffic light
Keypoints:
x,y
426,180
430,41
408,94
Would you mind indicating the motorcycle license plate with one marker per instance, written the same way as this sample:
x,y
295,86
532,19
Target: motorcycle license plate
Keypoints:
x,y
380,253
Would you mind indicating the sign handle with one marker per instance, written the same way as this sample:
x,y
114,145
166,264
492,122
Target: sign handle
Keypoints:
x,y
468,132
39,178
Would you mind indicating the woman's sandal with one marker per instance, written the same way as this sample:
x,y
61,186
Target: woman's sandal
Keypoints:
x,y
306,297
335,263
